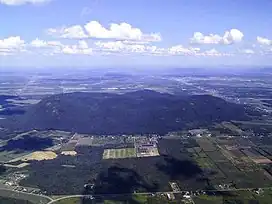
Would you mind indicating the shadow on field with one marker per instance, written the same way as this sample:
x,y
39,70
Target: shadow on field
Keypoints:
x,y
27,143
176,169
12,111
2,169
118,180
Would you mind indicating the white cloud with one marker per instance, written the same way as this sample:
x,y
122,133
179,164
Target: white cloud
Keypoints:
x,y
45,47
81,48
199,38
94,29
194,51
83,44
38,43
21,2
230,37
122,31
212,52
264,41
180,50
12,45
12,42
73,32
121,47
248,51
56,47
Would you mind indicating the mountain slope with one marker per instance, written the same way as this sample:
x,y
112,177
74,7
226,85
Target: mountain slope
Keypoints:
x,y
136,112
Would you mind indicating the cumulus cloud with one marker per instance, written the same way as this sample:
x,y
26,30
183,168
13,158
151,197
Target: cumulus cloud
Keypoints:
x,y
11,45
38,43
73,32
121,47
229,37
122,31
21,2
180,50
56,47
194,51
214,52
12,42
45,47
264,41
248,51
94,29
81,48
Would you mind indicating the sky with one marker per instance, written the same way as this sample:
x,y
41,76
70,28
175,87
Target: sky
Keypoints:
x,y
174,33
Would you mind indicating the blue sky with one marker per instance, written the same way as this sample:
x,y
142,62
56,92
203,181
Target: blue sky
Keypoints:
x,y
180,33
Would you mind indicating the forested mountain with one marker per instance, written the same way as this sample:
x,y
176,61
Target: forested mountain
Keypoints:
x,y
136,112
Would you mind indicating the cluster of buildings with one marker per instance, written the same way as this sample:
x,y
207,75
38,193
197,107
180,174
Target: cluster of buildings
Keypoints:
x,y
146,146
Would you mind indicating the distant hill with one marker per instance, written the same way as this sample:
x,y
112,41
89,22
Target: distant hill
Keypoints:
x,y
136,112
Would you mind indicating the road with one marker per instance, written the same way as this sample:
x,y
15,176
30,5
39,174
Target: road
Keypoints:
x,y
147,193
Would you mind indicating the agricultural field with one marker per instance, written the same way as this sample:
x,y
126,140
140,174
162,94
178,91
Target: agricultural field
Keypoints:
x,y
5,200
38,156
137,199
124,199
206,144
69,201
147,152
243,197
119,153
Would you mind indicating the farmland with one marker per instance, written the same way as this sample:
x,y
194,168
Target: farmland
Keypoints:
x,y
6,200
24,197
192,162
119,153
242,196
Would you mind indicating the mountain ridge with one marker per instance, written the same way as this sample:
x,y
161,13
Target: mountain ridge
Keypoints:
x,y
130,113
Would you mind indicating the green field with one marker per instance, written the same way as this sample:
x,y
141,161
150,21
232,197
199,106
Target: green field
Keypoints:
x,y
119,153
31,198
243,197
136,199
5,200
69,201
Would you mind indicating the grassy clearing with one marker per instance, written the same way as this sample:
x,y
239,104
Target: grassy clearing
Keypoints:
x,y
139,199
69,201
5,200
206,144
204,199
265,197
119,153
246,197
205,162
